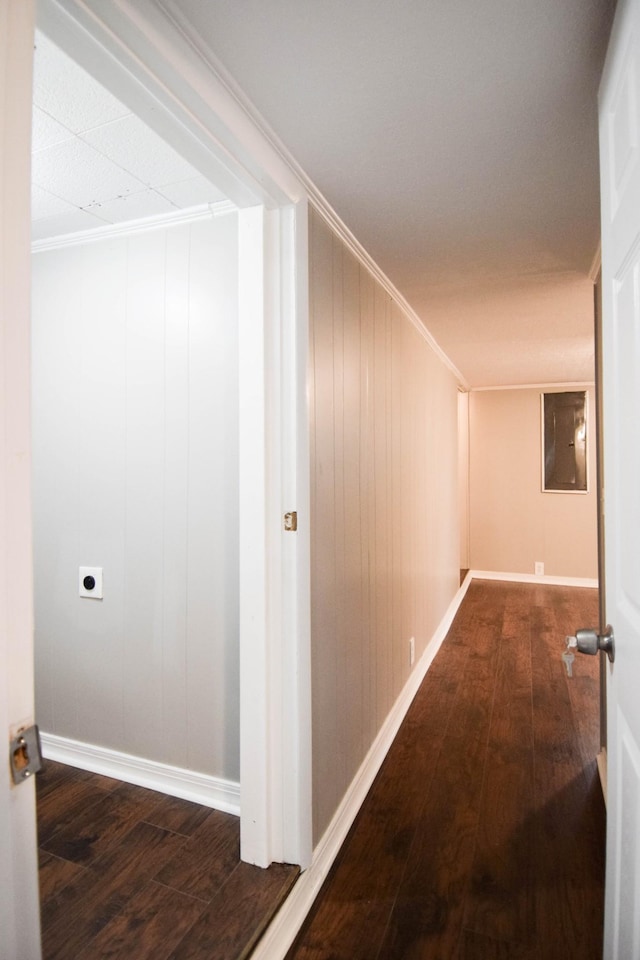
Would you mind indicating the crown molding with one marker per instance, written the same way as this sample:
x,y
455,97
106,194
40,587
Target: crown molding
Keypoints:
x,y
111,230
568,385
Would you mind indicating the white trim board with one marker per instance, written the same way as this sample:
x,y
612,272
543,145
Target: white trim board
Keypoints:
x,y
176,782
108,230
549,387
532,578
285,926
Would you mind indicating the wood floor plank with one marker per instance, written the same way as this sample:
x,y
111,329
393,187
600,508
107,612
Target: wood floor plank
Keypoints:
x,y
569,847
51,775
58,808
54,773
207,858
99,897
102,825
427,917
91,902
97,779
177,815
500,898
345,930
475,946
54,876
238,915
150,927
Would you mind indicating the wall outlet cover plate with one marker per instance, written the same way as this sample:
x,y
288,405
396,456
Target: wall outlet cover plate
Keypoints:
x,y
84,583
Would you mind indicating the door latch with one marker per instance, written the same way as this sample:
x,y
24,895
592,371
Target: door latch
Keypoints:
x,y
25,755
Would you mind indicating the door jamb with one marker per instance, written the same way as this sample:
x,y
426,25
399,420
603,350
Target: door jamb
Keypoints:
x,y
602,605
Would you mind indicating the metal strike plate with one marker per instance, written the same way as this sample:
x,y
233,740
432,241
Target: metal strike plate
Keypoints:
x,y
25,756
291,520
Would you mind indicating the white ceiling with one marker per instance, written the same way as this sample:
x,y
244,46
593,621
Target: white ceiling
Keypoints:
x,y
457,141
94,162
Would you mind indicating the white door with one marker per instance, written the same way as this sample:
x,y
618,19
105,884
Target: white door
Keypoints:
x,y
620,187
19,909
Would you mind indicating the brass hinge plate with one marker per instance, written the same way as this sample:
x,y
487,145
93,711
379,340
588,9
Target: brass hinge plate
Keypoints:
x,y
291,520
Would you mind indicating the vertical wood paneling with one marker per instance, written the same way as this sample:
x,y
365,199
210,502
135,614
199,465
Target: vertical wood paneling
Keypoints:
x,y
384,528
98,500
55,479
213,614
379,467
400,624
175,570
351,418
144,482
323,575
366,526
341,587
135,439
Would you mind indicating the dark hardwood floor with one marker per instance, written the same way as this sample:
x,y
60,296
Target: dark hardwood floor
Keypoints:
x,y
132,874
482,837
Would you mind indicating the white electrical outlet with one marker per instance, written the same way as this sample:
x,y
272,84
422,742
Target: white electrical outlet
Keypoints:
x,y
412,651
539,568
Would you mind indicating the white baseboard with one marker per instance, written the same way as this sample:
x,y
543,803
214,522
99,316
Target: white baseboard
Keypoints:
x,y
284,927
199,787
531,578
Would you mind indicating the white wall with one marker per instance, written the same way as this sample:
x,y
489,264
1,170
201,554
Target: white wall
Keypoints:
x,y
513,523
135,470
384,493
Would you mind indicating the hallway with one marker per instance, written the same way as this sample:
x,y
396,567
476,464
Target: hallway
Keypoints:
x,y
483,835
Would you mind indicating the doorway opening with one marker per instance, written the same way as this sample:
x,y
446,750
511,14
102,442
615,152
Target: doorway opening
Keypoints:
x,y
135,442
135,399
194,121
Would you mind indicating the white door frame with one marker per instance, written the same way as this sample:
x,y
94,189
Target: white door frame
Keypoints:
x,y
136,50
274,564
19,908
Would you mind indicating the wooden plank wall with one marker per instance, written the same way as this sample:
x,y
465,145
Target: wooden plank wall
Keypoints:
x,y
136,470
385,541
